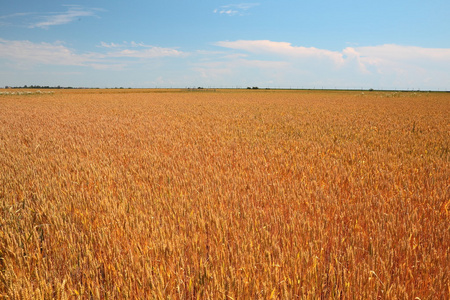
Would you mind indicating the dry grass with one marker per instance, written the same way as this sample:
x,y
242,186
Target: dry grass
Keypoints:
x,y
227,194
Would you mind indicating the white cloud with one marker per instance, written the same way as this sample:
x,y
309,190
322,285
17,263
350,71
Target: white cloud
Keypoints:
x,y
350,55
383,66
15,15
405,53
241,63
263,64
152,52
282,49
109,66
45,20
406,61
73,13
239,72
375,56
110,45
148,51
140,50
123,45
29,53
41,53
11,19
234,9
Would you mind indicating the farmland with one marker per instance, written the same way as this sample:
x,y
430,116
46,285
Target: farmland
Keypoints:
x,y
170,194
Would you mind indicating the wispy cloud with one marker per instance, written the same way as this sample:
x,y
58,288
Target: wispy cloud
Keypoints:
x,y
235,9
16,15
11,19
153,52
29,53
41,53
48,19
139,50
110,45
120,45
73,13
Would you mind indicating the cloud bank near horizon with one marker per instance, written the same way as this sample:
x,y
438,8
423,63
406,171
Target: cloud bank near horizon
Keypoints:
x,y
385,66
26,52
247,62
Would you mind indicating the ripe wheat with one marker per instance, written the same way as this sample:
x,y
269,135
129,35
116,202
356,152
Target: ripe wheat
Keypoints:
x,y
228,194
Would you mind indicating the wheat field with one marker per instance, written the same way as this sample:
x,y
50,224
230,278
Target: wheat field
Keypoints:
x,y
226,194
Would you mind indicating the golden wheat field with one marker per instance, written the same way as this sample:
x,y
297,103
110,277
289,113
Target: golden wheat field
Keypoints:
x,y
226,194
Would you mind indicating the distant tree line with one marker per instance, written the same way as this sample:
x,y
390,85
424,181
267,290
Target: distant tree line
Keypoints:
x,y
39,87
54,87
45,87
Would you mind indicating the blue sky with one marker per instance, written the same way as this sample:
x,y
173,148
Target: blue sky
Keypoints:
x,y
179,43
